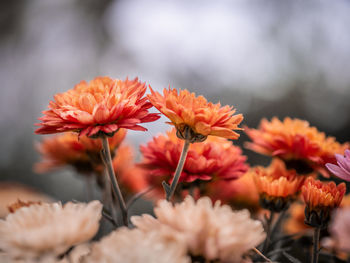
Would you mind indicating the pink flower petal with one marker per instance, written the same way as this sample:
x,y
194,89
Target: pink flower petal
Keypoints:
x,y
337,171
347,154
343,163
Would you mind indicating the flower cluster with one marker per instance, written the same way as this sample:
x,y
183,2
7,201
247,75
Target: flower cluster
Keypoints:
x,y
191,225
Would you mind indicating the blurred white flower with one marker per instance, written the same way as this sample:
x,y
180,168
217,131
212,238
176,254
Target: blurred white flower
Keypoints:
x,y
11,192
214,232
135,246
5,258
41,230
339,230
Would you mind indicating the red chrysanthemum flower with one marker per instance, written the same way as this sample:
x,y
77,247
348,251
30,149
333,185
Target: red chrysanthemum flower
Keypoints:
x,y
68,150
296,142
321,198
103,105
194,117
215,158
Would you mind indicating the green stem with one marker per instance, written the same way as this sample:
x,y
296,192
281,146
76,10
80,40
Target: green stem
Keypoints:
x,y
107,159
316,241
268,231
178,170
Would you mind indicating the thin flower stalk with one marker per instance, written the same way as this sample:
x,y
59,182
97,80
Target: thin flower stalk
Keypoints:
x,y
170,190
277,225
316,241
107,159
268,231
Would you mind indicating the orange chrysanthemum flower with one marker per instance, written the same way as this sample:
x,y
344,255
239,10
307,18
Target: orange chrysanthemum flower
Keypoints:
x,y
194,117
81,153
276,180
277,185
295,140
321,198
103,105
215,158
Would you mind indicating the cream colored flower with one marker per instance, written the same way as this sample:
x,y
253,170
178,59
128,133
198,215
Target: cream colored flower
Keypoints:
x,y
214,232
4,258
135,246
77,254
10,192
48,229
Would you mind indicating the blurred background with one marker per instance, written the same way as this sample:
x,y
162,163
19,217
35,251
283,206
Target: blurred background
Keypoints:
x,y
266,58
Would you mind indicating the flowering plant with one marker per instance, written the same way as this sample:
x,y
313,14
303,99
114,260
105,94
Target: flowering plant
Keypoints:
x,y
200,182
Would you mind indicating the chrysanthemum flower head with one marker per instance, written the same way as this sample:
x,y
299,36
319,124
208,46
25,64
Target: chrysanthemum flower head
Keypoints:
x,y
48,229
295,141
101,106
135,246
82,153
342,169
194,117
215,158
321,198
13,207
12,192
211,232
277,185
